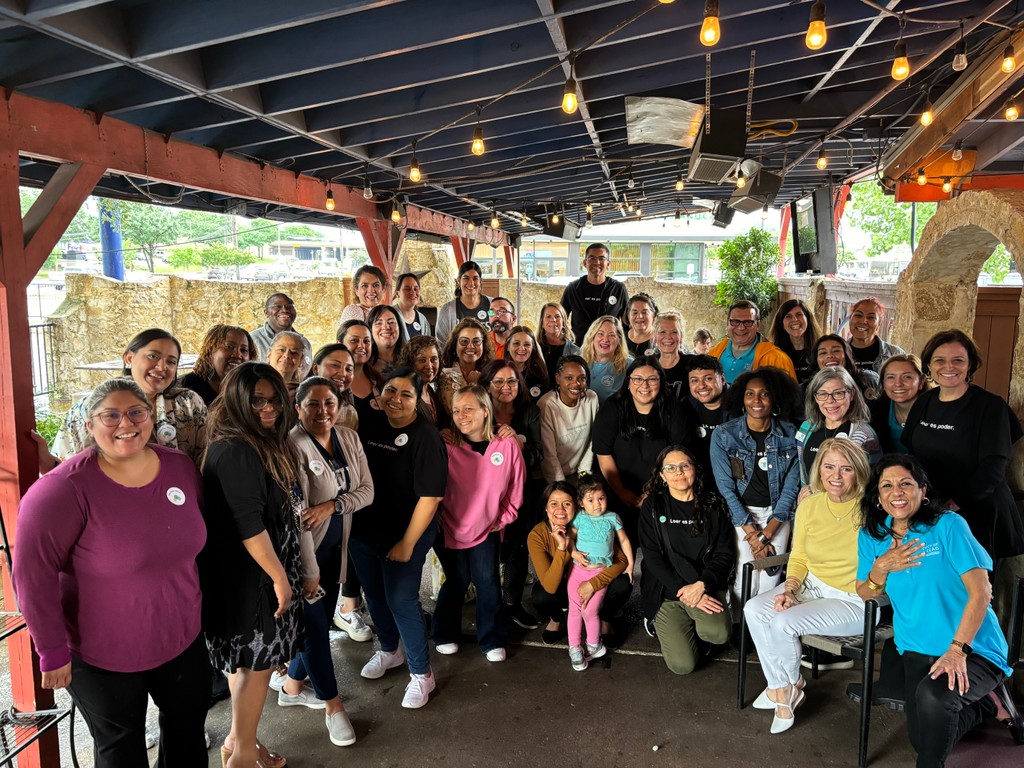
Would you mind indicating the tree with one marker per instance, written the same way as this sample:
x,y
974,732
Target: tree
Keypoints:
x,y
885,220
220,255
299,232
257,233
196,226
998,265
146,225
748,269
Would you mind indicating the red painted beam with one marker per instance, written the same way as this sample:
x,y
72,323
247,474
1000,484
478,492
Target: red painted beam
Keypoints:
x,y
783,236
52,212
383,243
463,248
19,460
511,261
423,220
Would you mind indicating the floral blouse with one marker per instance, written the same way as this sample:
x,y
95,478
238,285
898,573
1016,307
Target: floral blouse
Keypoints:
x,y
180,423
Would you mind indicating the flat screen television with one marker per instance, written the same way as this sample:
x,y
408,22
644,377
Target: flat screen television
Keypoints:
x,y
805,231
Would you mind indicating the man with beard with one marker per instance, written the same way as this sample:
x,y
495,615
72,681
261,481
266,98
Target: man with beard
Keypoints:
x,y
280,314
595,294
503,319
707,385
745,349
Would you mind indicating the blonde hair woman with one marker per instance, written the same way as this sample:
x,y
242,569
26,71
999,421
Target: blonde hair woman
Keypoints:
x,y
606,353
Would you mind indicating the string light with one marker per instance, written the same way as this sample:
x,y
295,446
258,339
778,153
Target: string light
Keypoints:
x,y
922,177
367,189
710,30
741,180
590,207
678,219
1011,113
764,212
639,213
927,116
470,226
679,182
329,202
629,182
822,158
947,185
629,206
960,52
1009,60
900,64
477,146
524,221
816,32
396,215
414,167
590,219
570,102
555,218
958,151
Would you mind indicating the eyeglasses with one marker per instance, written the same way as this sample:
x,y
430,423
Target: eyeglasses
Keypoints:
x,y
502,311
279,307
597,258
675,469
745,323
650,381
823,397
137,415
259,403
502,383
471,342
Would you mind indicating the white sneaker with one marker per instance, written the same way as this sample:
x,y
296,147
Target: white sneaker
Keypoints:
x,y
304,698
496,654
447,649
381,662
340,730
353,625
152,737
595,651
417,692
277,680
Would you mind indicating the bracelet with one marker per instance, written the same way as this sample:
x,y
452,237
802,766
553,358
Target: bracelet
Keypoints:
x,y
874,587
764,539
792,585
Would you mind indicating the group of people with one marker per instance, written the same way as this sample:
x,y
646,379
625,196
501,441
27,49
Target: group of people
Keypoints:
x,y
249,503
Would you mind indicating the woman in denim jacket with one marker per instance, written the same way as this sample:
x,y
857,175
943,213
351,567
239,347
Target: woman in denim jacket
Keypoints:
x,y
754,458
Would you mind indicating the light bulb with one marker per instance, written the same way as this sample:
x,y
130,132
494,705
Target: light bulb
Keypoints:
x,y
741,180
329,203
470,226
396,215
822,159
947,185
816,32
495,224
1009,60
414,170
764,212
639,212
922,177
710,31
900,64
524,221
570,102
478,141
630,183
679,220
555,219
927,116
958,151
679,183
590,207
367,191
1012,113
629,207
960,56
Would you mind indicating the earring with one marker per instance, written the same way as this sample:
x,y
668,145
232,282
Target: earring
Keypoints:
x,y
925,501
878,504
776,411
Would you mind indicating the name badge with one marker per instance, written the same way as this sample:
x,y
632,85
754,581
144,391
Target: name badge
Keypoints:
x,y
702,432
176,496
416,325
534,391
607,381
481,315
497,459
316,467
650,352
402,439
762,463
613,300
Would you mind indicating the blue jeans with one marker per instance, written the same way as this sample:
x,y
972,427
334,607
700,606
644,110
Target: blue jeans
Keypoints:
x,y
479,565
392,591
315,660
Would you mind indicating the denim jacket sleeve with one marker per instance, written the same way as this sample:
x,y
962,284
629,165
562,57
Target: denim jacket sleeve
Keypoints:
x,y
721,440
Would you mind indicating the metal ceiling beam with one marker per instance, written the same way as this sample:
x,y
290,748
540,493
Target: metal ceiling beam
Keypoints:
x,y
1001,142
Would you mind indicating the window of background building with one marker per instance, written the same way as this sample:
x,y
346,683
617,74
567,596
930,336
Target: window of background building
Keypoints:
x,y
676,261
540,260
625,257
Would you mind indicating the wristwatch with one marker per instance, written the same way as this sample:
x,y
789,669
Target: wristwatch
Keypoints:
x,y
964,647
339,506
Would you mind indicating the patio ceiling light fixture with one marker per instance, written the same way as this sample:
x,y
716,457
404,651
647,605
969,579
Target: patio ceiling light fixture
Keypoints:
x,y
817,35
710,30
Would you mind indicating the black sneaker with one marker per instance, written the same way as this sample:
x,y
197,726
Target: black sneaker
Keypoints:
x,y
826,662
521,616
649,628
552,636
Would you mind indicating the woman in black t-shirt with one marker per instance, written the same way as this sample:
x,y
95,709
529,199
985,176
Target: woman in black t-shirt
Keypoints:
x,y
390,538
366,381
641,310
794,331
688,556
631,429
963,437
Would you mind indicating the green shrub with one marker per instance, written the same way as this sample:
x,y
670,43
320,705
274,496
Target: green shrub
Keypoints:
x,y
748,265
47,425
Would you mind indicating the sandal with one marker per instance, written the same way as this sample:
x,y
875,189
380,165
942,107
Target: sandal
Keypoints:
x,y
794,700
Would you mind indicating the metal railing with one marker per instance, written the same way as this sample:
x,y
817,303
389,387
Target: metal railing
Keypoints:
x,y
44,368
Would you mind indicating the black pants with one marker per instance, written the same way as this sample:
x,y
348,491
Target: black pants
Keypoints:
x,y
513,551
350,587
937,718
114,707
552,607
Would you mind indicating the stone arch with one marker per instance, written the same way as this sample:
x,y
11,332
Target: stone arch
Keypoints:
x,y
939,289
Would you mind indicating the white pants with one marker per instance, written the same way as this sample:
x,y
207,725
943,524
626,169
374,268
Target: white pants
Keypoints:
x,y
760,581
820,610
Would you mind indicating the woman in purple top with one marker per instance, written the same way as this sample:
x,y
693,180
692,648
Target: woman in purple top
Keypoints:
x,y
107,581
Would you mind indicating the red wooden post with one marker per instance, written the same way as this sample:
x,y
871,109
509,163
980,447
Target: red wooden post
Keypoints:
x,y
383,244
463,248
783,236
511,261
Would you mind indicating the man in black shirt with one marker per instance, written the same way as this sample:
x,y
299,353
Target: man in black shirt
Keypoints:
x,y
707,385
588,298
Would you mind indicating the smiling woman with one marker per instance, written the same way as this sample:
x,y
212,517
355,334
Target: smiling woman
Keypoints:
x,y
151,360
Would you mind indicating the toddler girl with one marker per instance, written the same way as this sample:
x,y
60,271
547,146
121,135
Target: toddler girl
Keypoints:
x,y
593,540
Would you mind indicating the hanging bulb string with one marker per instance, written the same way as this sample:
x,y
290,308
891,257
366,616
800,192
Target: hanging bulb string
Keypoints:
x,y
922,20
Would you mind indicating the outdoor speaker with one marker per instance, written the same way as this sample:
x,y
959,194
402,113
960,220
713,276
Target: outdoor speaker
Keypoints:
x,y
565,229
758,193
717,154
723,215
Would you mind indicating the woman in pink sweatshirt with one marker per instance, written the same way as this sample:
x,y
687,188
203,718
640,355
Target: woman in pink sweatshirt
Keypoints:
x,y
485,490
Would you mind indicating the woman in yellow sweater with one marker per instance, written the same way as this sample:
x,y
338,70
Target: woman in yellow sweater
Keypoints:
x,y
819,595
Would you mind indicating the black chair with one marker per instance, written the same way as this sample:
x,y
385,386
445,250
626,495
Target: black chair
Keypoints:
x,y
857,647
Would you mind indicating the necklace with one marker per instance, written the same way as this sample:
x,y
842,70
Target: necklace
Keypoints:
x,y
837,517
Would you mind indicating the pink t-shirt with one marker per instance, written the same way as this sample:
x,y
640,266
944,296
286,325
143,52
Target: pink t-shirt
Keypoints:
x,y
106,573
